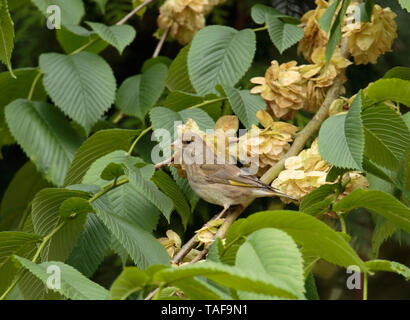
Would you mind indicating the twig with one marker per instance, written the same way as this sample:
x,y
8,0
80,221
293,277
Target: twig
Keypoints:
x,y
151,294
129,15
160,43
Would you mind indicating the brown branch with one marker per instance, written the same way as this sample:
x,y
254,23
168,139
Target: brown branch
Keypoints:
x,y
133,12
160,43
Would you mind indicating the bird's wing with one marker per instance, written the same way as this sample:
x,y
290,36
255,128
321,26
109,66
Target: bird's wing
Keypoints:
x,y
231,175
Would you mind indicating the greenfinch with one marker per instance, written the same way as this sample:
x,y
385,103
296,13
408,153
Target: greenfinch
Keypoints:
x,y
217,182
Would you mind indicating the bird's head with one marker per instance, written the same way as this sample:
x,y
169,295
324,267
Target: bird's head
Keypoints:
x,y
192,148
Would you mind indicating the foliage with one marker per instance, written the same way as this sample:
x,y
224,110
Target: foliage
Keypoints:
x,y
89,190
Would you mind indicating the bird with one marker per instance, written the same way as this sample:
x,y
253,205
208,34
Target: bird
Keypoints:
x,y
216,182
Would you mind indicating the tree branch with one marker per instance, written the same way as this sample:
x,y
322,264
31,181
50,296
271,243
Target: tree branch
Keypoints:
x,y
129,15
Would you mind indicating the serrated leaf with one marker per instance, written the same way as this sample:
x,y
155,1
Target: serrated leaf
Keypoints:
x,y
138,94
390,266
112,172
183,184
150,191
283,35
171,189
199,289
307,231
91,246
45,136
178,77
74,285
379,202
387,136
117,36
353,130
228,276
71,12
405,4
98,145
272,253
398,72
219,55
13,242
245,105
333,147
73,208
72,37
143,248
165,118
6,36
129,281
157,60
317,201
397,90
20,191
325,21
82,85
46,217
180,100
258,12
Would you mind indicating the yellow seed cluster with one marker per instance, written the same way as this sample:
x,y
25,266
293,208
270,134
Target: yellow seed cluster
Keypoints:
x,y
366,41
185,18
308,171
269,144
287,88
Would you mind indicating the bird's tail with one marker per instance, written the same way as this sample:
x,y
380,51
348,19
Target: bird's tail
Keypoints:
x,y
278,193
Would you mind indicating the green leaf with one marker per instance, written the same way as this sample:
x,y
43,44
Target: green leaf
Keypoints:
x,y
272,253
220,55
157,60
333,146
20,191
150,191
13,89
354,130
228,276
283,35
74,285
112,172
171,189
71,12
143,248
245,105
180,100
82,85
310,286
398,72
138,94
397,90
21,243
259,11
341,138
336,31
199,289
366,10
387,136
183,184
73,208
7,36
117,36
178,78
45,136
72,37
307,231
390,266
98,145
101,4
46,217
379,202
325,21
318,201
129,281
164,118
91,246
405,4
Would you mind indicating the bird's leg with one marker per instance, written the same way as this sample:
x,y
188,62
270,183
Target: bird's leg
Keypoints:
x,y
221,214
